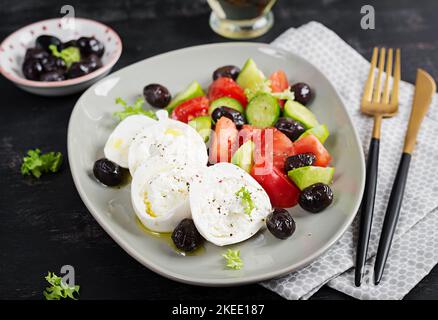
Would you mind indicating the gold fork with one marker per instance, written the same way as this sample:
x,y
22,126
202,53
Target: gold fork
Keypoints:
x,y
378,105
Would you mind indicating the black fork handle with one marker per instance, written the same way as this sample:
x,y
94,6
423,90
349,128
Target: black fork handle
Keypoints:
x,y
366,209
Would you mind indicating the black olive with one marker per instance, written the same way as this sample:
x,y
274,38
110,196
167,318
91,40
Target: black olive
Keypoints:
x,y
186,237
108,172
316,197
52,63
56,75
32,69
78,69
227,72
157,95
280,223
230,113
68,44
90,45
93,62
35,53
303,93
298,161
291,128
44,41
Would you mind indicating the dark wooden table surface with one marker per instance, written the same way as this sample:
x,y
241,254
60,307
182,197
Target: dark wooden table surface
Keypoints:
x,y
44,224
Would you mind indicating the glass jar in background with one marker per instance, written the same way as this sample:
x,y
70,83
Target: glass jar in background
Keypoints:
x,y
241,19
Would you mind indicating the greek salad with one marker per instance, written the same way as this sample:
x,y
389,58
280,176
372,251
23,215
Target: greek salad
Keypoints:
x,y
223,164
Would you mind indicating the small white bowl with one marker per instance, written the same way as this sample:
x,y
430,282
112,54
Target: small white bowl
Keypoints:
x,y
13,49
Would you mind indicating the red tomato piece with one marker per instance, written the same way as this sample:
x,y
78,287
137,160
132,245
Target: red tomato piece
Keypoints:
x,y
282,148
311,144
271,145
224,142
190,109
282,192
227,87
279,83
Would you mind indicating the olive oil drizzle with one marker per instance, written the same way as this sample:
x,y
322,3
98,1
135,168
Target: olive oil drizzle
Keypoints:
x,y
166,237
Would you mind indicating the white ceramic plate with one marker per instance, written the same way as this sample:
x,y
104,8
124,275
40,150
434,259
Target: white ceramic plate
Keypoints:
x,y
264,256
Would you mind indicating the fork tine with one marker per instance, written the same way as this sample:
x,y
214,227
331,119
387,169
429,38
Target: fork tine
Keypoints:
x,y
385,98
368,91
378,89
394,95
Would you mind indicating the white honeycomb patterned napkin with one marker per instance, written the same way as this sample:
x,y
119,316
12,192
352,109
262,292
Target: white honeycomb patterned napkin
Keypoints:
x,y
414,251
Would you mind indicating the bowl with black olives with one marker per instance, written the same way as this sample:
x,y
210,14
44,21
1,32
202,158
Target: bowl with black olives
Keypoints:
x,y
58,57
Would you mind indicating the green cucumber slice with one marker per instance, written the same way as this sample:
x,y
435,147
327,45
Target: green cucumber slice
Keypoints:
x,y
250,77
192,91
306,176
244,156
225,102
296,111
263,110
202,125
321,132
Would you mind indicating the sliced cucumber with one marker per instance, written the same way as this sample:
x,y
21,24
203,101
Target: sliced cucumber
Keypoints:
x,y
225,102
306,176
244,156
192,91
321,132
202,125
296,111
263,110
250,77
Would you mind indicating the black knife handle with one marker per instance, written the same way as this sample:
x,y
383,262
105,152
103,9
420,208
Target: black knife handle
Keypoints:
x,y
366,209
391,216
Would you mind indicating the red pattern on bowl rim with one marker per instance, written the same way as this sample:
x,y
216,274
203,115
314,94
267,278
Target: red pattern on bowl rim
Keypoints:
x,y
13,48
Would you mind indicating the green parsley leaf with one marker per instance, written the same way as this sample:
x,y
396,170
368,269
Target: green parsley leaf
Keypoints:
x,y
233,259
58,289
136,108
69,55
247,202
36,163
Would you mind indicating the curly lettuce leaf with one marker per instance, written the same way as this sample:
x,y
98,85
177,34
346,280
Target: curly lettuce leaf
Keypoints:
x,y
36,163
284,95
69,55
233,260
129,110
245,197
265,87
58,289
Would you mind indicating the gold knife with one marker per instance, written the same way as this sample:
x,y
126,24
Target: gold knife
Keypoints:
x,y
425,88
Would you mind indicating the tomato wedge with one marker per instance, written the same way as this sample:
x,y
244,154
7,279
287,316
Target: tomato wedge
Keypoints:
x,y
227,87
282,192
279,83
271,145
311,144
224,142
282,147
190,109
